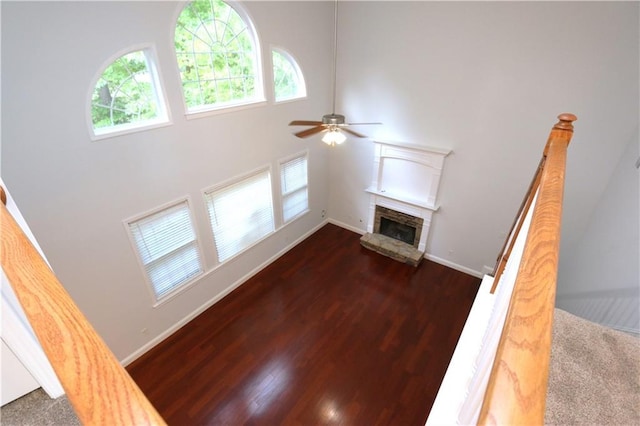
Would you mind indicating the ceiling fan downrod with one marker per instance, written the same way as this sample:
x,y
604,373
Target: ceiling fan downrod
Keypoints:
x,y
332,125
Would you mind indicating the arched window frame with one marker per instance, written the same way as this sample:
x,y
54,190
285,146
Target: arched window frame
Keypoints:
x,y
302,89
164,115
259,95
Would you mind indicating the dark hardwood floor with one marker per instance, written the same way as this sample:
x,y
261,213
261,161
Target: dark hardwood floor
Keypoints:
x,y
331,333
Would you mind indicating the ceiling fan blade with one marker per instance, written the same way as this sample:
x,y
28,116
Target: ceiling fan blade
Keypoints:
x,y
305,123
311,131
360,124
360,135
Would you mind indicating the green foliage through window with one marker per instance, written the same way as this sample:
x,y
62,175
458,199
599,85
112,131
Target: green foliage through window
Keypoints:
x,y
215,54
125,93
287,78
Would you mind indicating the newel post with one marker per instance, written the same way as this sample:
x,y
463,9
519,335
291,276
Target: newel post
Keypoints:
x,y
562,131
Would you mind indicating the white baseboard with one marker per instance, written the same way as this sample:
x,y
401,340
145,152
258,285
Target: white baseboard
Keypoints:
x,y
148,346
345,226
431,257
453,265
628,330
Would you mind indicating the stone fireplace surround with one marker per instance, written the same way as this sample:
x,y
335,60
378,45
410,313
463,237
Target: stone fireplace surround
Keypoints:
x,y
402,221
405,182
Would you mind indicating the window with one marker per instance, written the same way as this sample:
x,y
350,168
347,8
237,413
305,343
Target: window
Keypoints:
x,y
167,248
288,82
241,213
217,57
294,187
126,95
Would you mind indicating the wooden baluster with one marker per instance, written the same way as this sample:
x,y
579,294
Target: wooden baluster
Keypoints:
x,y
516,226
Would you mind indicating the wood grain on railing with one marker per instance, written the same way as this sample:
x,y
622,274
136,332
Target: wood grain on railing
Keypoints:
x,y
99,388
516,393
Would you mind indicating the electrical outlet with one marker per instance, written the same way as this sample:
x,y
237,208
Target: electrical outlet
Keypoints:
x,y
324,213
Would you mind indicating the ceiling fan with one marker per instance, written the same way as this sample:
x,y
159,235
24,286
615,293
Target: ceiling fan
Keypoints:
x,y
332,125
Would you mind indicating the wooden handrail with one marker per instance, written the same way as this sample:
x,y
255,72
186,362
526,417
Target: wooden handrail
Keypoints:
x,y
503,257
516,393
99,388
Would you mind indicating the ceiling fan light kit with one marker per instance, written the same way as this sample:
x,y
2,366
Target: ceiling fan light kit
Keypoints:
x,y
334,137
333,125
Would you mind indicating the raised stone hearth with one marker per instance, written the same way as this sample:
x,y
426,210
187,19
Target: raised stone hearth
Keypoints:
x,y
392,248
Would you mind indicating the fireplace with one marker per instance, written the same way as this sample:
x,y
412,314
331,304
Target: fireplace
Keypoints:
x,y
397,230
397,225
403,197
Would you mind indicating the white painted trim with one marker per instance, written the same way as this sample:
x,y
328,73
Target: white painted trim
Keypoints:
x,y
402,207
16,379
281,196
430,257
432,149
453,265
628,330
455,384
402,199
148,346
16,330
164,112
345,226
20,338
135,355
260,96
157,301
417,199
296,65
207,111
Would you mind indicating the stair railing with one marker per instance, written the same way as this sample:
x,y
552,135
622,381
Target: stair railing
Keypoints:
x,y
516,393
98,387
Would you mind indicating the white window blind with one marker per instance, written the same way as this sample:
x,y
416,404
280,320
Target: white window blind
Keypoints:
x,y
241,214
168,249
293,182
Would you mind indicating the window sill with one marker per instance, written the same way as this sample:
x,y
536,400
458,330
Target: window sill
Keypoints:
x,y
128,129
201,113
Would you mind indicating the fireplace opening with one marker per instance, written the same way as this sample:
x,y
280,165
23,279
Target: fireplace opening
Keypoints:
x,y
398,225
398,231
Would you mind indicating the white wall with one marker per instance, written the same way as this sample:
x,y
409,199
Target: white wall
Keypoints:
x,y
75,193
602,272
486,79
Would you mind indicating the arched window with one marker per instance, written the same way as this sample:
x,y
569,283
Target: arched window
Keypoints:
x,y
288,82
217,54
126,96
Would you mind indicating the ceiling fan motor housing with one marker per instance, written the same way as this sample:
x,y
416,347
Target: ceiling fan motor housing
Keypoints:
x,y
333,119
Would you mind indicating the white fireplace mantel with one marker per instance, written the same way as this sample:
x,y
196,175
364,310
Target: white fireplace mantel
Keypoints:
x,y
401,198
406,178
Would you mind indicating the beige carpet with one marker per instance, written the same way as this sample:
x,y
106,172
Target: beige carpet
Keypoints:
x,y
594,376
